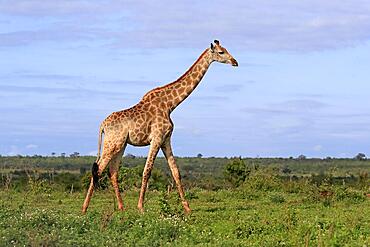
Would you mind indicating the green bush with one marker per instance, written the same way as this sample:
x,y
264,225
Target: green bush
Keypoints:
x,y
39,186
158,180
263,180
129,178
343,193
236,172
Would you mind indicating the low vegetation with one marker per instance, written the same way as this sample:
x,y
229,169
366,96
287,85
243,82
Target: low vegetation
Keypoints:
x,y
235,202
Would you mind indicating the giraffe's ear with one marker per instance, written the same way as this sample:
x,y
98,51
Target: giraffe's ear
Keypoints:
x,y
216,42
212,47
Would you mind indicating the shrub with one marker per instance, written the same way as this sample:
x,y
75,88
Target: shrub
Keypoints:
x,y
129,178
236,172
39,186
158,180
264,180
342,193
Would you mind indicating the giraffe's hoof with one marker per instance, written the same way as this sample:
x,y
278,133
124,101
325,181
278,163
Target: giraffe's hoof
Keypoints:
x,y
187,211
186,208
140,209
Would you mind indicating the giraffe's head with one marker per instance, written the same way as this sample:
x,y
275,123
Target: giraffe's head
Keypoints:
x,y
221,55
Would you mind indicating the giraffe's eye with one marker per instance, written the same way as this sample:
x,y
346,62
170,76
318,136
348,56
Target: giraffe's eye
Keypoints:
x,y
221,52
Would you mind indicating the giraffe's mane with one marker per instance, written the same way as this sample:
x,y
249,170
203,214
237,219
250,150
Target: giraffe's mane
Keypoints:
x,y
180,78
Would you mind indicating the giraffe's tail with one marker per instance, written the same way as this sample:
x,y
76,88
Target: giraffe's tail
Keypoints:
x,y
95,176
101,131
95,167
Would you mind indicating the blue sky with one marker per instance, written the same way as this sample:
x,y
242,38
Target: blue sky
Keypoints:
x,y
302,85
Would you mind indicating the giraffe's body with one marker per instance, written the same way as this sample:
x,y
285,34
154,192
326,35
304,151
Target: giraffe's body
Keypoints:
x,y
149,123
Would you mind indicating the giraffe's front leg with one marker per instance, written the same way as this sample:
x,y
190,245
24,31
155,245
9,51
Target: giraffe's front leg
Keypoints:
x,y
153,151
167,151
108,153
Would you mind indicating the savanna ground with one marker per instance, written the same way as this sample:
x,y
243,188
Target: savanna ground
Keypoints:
x,y
235,202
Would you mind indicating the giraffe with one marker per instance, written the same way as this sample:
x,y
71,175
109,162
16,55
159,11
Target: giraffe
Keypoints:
x,y
149,123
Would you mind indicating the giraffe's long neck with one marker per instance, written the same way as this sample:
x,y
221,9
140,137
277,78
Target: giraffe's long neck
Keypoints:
x,y
176,92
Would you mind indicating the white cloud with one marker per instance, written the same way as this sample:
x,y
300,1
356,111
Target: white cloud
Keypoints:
x,y
40,8
32,146
263,25
318,148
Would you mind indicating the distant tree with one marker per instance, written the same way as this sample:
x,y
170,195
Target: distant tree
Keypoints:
x,y
74,155
63,155
53,154
199,155
328,158
360,156
130,156
301,157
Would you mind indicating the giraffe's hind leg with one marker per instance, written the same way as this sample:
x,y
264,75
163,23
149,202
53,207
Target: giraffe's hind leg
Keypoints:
x,y
113,171
111,148
88,195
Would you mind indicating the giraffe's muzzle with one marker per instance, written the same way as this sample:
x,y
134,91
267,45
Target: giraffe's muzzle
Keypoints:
x,y
234,62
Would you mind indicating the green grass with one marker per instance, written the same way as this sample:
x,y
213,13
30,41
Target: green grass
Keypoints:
x,y
239,217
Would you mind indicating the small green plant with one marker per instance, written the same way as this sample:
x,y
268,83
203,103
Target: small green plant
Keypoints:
x,y
164,205
38,186
169,206
277,198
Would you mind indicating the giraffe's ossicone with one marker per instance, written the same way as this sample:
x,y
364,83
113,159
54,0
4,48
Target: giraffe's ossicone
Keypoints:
x,y
149,123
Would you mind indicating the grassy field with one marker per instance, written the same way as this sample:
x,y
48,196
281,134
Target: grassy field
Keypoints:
x,y
235,202
239,217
